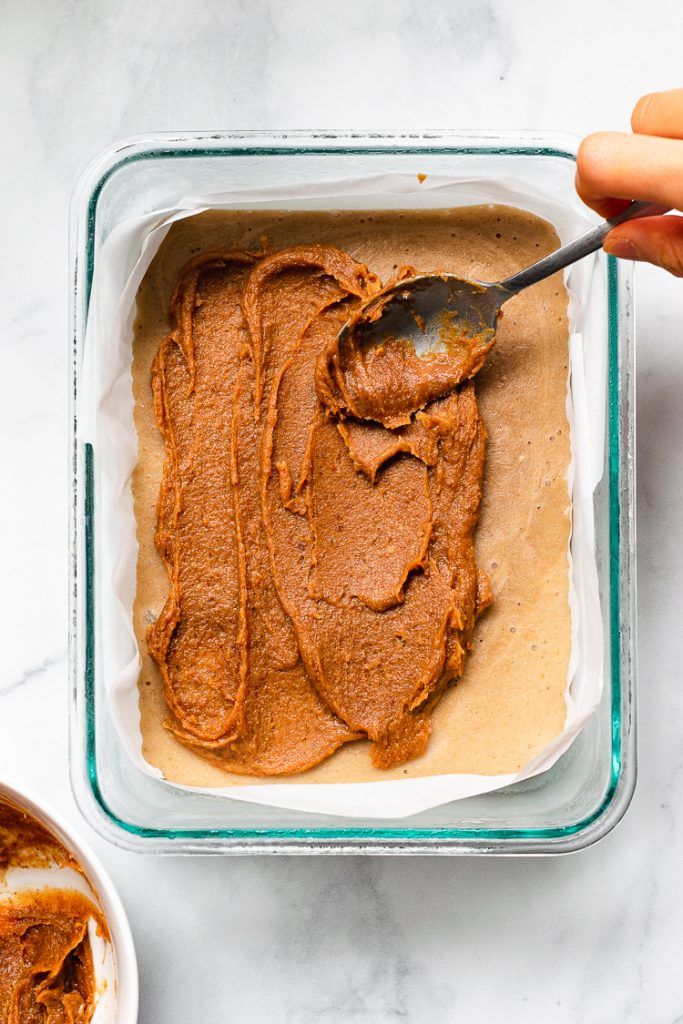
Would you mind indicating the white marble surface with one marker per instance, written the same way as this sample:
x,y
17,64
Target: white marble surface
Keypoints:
x,y
594,938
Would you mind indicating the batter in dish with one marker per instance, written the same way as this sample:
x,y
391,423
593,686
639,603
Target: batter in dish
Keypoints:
x,y
317,588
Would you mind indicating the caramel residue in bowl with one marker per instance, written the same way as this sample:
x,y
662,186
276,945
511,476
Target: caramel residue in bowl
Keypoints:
x,y
46,963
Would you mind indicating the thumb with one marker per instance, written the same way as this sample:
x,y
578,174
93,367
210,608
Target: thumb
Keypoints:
x,y
657,240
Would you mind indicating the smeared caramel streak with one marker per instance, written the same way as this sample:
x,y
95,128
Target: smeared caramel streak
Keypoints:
x,y
322,570
198,641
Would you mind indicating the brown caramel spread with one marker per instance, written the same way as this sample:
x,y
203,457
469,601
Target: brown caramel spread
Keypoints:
x,y
371,373
323,580
46,966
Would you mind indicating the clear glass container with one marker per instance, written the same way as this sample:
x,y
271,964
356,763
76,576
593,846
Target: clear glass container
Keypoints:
x,y
588,790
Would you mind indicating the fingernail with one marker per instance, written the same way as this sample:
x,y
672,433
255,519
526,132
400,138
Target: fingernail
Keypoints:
x,y
621,247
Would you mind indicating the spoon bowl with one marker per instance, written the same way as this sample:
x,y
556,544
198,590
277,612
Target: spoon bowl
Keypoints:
x,y
434,311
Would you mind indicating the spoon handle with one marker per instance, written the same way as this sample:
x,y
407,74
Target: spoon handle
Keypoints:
x,y
590,241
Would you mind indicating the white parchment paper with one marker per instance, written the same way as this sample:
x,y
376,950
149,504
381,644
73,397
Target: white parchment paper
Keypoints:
x,y
106,421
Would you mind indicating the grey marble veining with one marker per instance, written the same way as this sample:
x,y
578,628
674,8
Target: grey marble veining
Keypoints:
x,y
590,939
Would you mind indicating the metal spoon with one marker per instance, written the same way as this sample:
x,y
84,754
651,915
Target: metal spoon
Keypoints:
x,y
477,303
442,327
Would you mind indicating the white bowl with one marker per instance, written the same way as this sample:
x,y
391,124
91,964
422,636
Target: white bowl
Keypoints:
x,y
118,1004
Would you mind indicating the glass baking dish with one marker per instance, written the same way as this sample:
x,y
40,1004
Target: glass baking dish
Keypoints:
x,y
588,790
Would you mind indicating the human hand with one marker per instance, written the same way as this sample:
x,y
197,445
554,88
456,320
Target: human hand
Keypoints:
x,y
614,168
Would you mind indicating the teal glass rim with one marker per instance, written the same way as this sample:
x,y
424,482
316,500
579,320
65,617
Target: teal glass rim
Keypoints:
x,y
347,838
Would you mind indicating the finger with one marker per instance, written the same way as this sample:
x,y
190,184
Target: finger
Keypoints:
x,y
612,165
657,240
659,113
607,208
